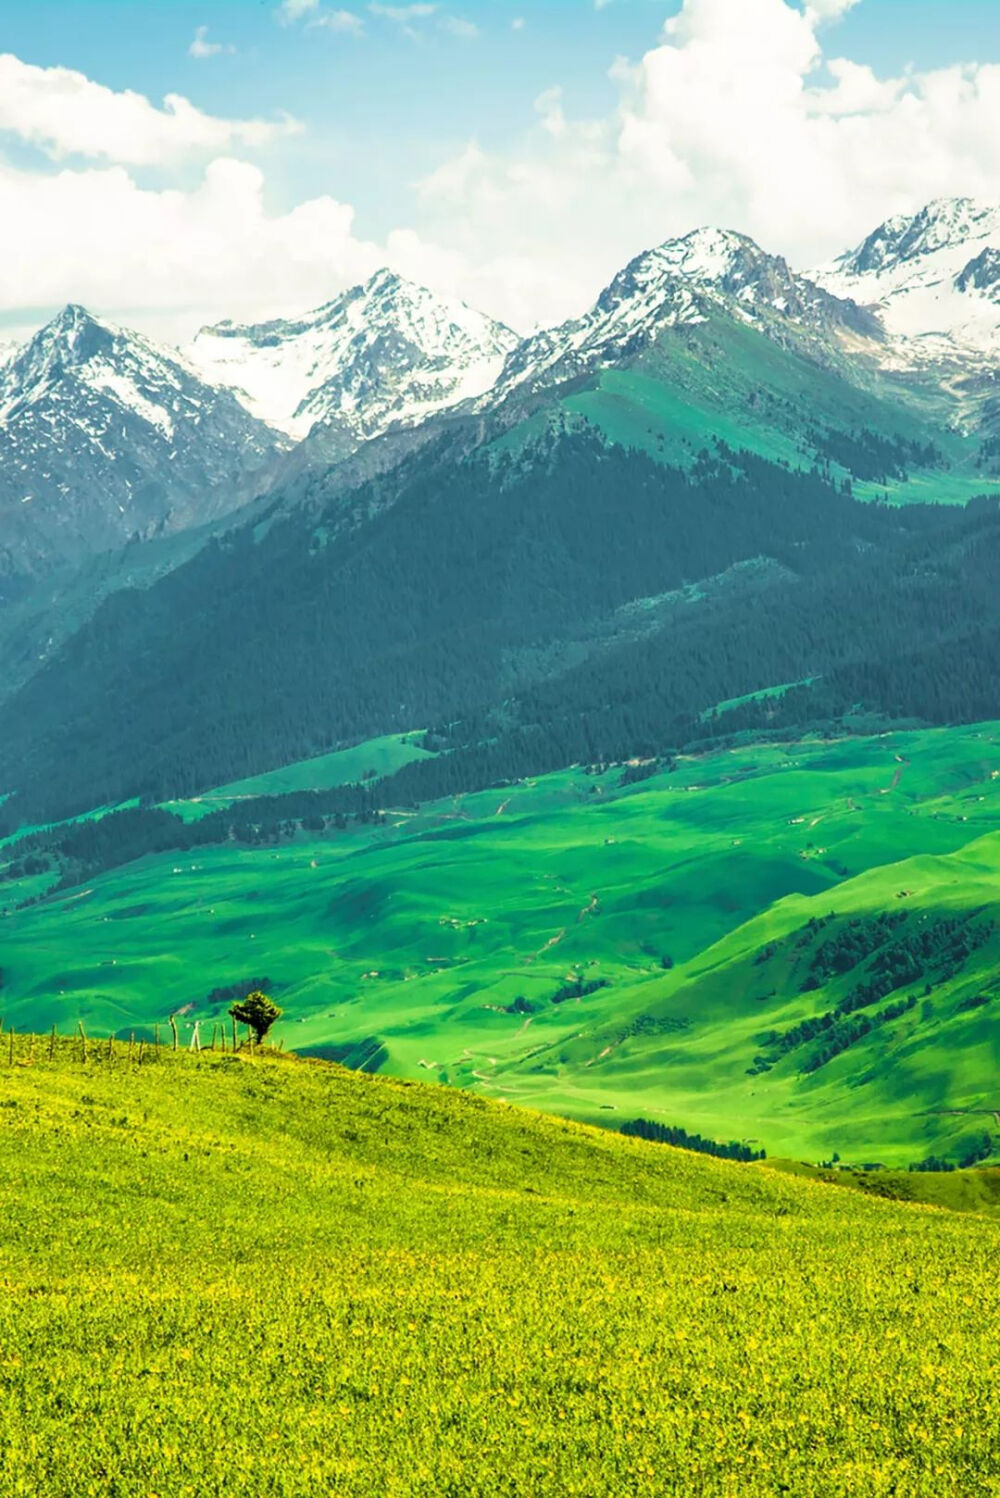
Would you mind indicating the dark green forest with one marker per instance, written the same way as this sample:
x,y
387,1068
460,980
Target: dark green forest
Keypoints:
x,y
575,603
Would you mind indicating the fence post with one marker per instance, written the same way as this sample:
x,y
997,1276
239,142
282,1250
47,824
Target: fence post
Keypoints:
x,y
234,1035
83,1038
173,1027
111,1045
156,1034
10,1048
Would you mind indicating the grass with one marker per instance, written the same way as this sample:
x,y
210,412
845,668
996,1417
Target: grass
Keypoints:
x,y
367,761
409,945
725,381
226,1275
954,1191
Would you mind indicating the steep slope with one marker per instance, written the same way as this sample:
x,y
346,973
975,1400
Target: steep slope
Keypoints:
x,y
598,600
679,285
486,555
105,436
933,279
388,352
708,337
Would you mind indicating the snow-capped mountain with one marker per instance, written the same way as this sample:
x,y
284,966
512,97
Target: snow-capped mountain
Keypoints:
x,y
933,277
680,284
382,354
104,435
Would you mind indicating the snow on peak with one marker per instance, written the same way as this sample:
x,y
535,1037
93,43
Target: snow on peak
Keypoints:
x,y
681,283
383,353
932,276
944,224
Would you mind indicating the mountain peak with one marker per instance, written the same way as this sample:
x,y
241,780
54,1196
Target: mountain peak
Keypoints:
x,y
933,275
386,280
387,352
941,224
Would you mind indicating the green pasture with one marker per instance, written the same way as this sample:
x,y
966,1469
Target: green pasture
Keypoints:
x,y
434,945
367,761
249,1274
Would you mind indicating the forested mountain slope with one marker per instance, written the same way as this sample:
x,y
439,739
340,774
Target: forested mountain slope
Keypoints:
x,y
570,581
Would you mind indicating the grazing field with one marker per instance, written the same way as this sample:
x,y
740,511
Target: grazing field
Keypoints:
x,y
376,757
601,949
250,1274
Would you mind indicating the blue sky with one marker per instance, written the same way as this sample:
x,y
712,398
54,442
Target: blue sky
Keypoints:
x,y
384,102
384,110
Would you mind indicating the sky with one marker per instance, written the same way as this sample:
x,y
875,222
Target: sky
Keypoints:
x,y
174,162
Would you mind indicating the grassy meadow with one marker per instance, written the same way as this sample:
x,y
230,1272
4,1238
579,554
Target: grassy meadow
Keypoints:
x,y
250,1274
465,942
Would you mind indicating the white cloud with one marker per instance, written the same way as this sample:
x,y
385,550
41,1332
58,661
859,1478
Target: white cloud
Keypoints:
x,y
403,16
201,47
517,24
345,22
465,30
291,11
735,118
66,114
170,259
819,11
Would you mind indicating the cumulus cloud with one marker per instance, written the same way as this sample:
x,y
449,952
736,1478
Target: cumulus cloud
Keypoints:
x,y
738,117
742,115
172,258
403,16
66,114
458,26
819,11
291,11
346,22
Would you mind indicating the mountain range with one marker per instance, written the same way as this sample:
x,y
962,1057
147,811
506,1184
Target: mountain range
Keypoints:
x,y
437,518
105,436
608,681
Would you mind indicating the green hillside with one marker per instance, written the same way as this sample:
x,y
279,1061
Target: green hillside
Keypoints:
x,y
727,381
601,949
297,1280
367,761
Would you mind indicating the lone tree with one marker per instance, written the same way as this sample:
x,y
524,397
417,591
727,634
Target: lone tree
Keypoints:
x,y
257,1011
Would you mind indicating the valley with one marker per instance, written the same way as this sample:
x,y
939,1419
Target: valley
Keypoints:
x,y
500,749
583,944
694,598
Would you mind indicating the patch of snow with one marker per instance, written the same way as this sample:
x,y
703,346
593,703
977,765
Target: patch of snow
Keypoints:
x,y
383,353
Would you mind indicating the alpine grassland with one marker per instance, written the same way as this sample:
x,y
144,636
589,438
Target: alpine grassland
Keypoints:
x,y
235,1274
790,944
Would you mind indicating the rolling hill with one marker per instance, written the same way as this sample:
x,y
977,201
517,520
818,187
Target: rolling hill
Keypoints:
x,y
293,1278
791,944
